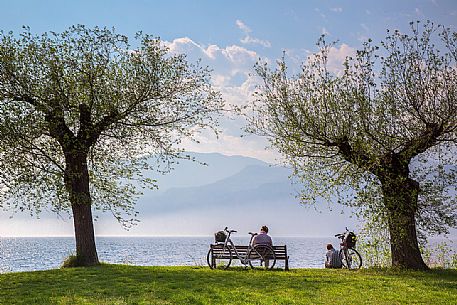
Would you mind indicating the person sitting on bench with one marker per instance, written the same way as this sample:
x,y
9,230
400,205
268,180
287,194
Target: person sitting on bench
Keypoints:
x,y
262,238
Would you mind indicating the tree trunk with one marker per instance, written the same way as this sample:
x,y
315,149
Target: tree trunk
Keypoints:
x,y
400,199
86,251
77,184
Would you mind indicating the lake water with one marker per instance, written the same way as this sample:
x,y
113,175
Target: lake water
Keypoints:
x,y
27,254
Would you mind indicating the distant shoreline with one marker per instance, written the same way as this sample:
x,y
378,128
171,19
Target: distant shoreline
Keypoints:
x,y
452,238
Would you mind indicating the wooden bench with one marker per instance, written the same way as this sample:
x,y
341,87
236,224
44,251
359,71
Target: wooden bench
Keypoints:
x,y
280,253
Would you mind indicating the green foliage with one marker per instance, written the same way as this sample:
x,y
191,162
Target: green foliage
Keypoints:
x,y
73,261
70,262
374,244
454,260
379,133
440,255
443,255
310,117
116,284
90,92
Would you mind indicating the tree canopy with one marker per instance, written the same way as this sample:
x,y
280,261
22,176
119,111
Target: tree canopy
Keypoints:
x,y
88,103
377,134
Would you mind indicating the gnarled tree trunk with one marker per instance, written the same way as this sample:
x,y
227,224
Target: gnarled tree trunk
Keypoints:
x,y
77,184
400,199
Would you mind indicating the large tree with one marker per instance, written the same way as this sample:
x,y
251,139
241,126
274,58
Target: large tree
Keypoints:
x,y
359,135
82,112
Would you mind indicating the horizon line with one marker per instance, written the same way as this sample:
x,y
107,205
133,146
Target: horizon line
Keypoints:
x,y
139,236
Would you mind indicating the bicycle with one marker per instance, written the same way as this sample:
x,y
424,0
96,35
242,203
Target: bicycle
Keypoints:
x,y
349,256
256,256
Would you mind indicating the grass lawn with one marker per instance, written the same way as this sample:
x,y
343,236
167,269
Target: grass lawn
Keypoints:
x,y
120,284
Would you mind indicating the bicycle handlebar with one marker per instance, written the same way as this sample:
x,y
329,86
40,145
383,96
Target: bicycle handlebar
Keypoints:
x,y
253,234
341,235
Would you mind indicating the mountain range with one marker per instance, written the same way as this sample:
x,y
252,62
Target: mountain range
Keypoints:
x,y
193,199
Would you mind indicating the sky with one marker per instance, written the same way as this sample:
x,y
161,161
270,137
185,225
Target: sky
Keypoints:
x,y
230,36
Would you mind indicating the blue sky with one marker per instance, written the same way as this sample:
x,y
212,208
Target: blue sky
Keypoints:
x,y
230,36
286,24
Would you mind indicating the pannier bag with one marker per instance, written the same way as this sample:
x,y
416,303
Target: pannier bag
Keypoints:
x,y
350,240
220,236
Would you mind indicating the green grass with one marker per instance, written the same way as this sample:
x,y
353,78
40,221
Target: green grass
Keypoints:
x,y
120,284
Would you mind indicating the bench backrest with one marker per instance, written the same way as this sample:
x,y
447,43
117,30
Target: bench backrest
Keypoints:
x,y
280,251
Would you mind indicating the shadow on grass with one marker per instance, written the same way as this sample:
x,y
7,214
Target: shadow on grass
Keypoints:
x,y
120,284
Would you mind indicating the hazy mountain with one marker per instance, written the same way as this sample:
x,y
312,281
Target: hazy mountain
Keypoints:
x,y
239,192
216,166
254,184
255,193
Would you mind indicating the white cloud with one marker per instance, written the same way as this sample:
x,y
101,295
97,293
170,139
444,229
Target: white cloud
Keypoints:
x,y
337,9
336,57
226,62
181,45
233,76
418,12
320,13
228,57
324,31
237,54
294,59
212,50
220,80
232,67
248,39
243,26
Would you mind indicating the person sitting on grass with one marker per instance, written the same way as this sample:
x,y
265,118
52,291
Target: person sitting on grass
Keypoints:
x,y
332,258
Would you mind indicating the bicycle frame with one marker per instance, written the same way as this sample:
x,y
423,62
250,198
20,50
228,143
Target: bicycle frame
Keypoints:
x,y
256,255
345,249
243,259
342,237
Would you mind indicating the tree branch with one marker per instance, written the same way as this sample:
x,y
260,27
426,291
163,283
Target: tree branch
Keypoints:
x,y
420,144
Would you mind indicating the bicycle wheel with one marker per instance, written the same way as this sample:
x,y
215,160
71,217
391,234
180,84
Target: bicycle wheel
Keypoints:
x,y
262,257
219,258
352,260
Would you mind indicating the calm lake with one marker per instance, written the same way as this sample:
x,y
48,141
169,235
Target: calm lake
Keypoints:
x,y
27,254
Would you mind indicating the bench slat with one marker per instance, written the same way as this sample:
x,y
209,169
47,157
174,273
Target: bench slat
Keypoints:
x,y
280,252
